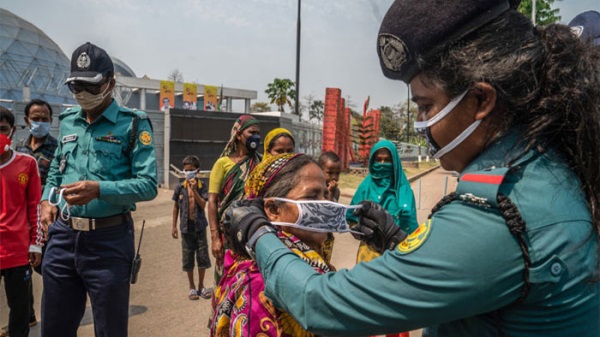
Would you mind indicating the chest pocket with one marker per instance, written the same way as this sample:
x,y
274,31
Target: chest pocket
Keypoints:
x,y
67,154
107,154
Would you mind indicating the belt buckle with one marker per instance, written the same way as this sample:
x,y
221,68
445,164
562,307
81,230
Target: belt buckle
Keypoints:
x,y
83,224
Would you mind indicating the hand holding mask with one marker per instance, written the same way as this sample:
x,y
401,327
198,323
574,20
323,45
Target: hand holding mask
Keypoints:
x,y
378,227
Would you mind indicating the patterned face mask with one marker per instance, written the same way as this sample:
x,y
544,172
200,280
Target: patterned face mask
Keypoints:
x,y
319,216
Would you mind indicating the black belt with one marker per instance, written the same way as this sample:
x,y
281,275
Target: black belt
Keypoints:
x,y
87,224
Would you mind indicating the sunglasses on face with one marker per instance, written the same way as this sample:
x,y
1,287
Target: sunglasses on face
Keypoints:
x,y
77,87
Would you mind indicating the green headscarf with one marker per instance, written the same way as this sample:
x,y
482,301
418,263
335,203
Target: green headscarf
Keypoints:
x,y
388,187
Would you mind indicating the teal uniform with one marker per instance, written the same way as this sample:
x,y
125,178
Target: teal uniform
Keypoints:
x,y
100,151
462,272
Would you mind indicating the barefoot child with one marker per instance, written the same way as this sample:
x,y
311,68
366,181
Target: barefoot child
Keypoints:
x,y
190,198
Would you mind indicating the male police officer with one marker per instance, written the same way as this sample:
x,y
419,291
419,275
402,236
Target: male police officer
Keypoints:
x,y
104,164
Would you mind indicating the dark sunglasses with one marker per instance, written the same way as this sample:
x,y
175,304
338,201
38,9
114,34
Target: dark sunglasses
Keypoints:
x,y
77,87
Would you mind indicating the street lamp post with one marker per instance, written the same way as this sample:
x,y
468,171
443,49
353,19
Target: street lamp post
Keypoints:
x,y
298,60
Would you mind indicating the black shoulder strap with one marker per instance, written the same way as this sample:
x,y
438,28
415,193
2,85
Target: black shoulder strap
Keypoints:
x,y
134,130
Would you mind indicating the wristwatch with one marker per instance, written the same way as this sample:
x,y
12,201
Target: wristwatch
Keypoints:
x,y
254,238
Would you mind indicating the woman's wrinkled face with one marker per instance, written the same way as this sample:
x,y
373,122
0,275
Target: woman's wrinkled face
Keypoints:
x,y
430,100
310,186
247,133
282,144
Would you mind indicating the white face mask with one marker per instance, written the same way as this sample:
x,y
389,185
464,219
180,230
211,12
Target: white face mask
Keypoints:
x,y
319,216
65,212
89,101
423,129
190,174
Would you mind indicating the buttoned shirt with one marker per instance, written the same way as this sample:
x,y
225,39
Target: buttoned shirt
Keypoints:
x,y
100,151
43,154
183,198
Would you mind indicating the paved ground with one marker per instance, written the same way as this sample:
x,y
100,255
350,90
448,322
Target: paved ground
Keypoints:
x,y
159,304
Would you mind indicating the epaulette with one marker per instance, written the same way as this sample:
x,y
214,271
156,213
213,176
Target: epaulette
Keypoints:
x,y
481,188
69,111
134,112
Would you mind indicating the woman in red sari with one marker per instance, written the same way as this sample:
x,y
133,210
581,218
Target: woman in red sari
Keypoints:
x,y
227,178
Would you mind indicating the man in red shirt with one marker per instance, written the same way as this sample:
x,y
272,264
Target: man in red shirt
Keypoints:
x,y
20,230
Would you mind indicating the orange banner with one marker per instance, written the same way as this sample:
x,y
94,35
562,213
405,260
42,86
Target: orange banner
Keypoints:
x,y
190,96
167,95
210,98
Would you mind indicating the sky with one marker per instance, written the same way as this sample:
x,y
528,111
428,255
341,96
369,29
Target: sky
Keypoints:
x,y
238,43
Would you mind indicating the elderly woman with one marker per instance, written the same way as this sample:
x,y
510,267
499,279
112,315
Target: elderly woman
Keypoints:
x,y
241,308
227,178
515,109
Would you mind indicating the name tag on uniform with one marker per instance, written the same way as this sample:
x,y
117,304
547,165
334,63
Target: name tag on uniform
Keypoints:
x,y
69,138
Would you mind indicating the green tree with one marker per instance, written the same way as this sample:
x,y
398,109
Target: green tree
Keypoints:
x,y
390,124
315,110
408,115
544,14
260,107
282,92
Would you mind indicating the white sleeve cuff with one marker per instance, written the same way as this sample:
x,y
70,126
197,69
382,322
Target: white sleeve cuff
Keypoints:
x,y
35,249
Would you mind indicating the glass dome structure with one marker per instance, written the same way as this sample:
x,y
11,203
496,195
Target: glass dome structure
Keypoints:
x,y
30,59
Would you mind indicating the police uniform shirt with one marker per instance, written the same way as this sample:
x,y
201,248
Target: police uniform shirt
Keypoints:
x,y
462,271
100,152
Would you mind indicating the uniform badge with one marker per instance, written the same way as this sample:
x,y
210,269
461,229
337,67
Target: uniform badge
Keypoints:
x,y
69,138
23,178
393,51
83,61
145,138
577,30
415,239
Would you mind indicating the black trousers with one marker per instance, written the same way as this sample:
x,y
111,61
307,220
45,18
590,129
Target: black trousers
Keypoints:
x,y
17,284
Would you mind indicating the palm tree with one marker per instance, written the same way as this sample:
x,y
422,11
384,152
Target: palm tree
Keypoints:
x,y
281,92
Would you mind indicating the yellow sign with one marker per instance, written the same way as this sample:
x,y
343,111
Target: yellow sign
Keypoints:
x,y
167,95
145,138
415,239
210,98
190,96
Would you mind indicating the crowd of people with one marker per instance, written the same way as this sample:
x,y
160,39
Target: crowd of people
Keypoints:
x,y
512,107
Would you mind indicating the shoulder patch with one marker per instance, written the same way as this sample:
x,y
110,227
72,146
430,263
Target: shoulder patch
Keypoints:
x,y
415,239
145,138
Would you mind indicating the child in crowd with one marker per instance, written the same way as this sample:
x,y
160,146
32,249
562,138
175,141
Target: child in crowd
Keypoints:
x,y
20,230
190,198
331,165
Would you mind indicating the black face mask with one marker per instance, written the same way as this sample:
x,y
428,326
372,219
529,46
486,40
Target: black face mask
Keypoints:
x,y
252,143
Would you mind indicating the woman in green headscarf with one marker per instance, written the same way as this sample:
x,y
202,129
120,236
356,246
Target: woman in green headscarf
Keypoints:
x,y
386,184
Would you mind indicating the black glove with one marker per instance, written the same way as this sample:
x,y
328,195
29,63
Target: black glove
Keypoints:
x,y
379,228
242,219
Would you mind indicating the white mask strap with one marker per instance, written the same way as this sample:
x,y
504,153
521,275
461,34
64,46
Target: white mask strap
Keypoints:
x,y
65,212
450,146
446,110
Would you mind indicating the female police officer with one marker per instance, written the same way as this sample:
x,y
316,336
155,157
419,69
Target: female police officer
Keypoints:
x,y
515,109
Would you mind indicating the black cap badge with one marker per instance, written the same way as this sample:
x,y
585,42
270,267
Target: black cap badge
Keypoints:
x,y
83,61
393,51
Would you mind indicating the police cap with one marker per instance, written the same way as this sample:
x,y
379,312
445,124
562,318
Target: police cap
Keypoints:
x,y
413,29
587,26
90,63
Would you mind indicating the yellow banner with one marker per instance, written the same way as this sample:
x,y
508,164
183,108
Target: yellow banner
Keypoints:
x,y
210,98
167,95
190,96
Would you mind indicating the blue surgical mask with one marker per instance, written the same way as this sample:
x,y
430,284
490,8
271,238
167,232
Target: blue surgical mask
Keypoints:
x,y
253,142
319,216
423,129
39,129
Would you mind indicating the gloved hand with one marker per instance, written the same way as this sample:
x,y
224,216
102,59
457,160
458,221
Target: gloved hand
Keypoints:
x,y
379,228
242,219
